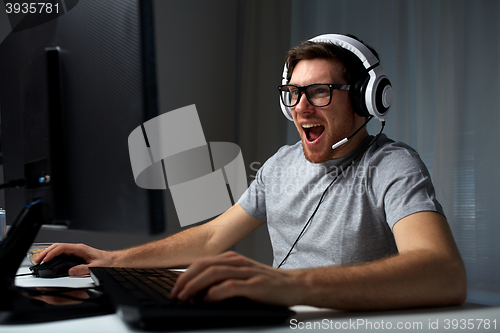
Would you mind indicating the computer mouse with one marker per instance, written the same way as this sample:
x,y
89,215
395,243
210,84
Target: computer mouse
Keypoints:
x,y
57,267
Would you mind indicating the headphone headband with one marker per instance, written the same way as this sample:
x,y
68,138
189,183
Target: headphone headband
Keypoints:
x,y
359,49
375,95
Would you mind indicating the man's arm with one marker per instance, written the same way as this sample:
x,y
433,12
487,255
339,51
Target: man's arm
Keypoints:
x,y
180,249
428,271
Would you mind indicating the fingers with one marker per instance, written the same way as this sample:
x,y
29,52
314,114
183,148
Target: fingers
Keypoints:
x,y
227,258
50,252
208,272
93,257
263,284
232,288
79,270
213,276
198,266
80,250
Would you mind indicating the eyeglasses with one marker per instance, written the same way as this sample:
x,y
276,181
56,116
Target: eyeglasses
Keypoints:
x,y
318,94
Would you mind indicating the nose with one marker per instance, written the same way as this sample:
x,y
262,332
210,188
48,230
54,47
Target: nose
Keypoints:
x,y
303,107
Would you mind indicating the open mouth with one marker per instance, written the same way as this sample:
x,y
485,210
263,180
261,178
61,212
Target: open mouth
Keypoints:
x,y
313,131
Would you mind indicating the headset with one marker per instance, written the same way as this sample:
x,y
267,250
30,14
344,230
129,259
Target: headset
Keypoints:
x,y
371,97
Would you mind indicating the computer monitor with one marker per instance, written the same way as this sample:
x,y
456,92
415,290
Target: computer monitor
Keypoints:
x,y
71,91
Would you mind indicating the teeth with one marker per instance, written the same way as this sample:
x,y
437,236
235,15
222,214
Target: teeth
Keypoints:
x,y
310,125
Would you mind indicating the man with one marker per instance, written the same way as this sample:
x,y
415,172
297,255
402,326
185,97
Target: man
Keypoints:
x,y
355,227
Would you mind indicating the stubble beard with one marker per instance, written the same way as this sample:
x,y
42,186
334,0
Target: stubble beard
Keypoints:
x,y
328,153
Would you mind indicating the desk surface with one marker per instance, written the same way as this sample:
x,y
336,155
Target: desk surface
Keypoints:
x,y
469,317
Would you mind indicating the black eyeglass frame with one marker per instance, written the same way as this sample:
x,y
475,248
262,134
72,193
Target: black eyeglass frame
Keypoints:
x,y
301,89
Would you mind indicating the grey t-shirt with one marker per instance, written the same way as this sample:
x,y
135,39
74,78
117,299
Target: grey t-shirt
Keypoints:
x,y
353,224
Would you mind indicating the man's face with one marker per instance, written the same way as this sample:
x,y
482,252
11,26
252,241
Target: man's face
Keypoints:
x,y
321,127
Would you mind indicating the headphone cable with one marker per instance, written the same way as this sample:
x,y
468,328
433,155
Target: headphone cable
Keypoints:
x,y
323,195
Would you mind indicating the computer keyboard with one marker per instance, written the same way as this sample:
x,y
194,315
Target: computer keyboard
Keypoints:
x,y
146,285
142,298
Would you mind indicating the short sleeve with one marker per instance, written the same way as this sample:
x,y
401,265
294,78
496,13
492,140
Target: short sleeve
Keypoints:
x,y
253,200
403,184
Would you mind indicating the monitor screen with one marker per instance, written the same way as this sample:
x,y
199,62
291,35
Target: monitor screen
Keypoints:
x,y
71,91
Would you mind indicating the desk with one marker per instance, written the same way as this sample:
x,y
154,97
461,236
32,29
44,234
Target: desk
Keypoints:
x,y
466,318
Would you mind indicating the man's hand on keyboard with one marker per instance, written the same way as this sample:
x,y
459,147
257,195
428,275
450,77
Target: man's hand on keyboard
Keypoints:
x,y
230,274
93,257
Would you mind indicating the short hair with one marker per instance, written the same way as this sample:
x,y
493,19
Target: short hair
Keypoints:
x,y
353,69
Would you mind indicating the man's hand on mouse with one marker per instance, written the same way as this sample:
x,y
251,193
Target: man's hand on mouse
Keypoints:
x,y
230,274
93,257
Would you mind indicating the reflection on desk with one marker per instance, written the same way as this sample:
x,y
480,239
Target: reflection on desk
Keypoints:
x,y
468,317
37,300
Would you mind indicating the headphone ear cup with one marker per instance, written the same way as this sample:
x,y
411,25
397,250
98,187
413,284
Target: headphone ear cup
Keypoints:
x,y
357,93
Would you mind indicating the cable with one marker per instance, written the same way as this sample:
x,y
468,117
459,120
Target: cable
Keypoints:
x,y
324,193
307,223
